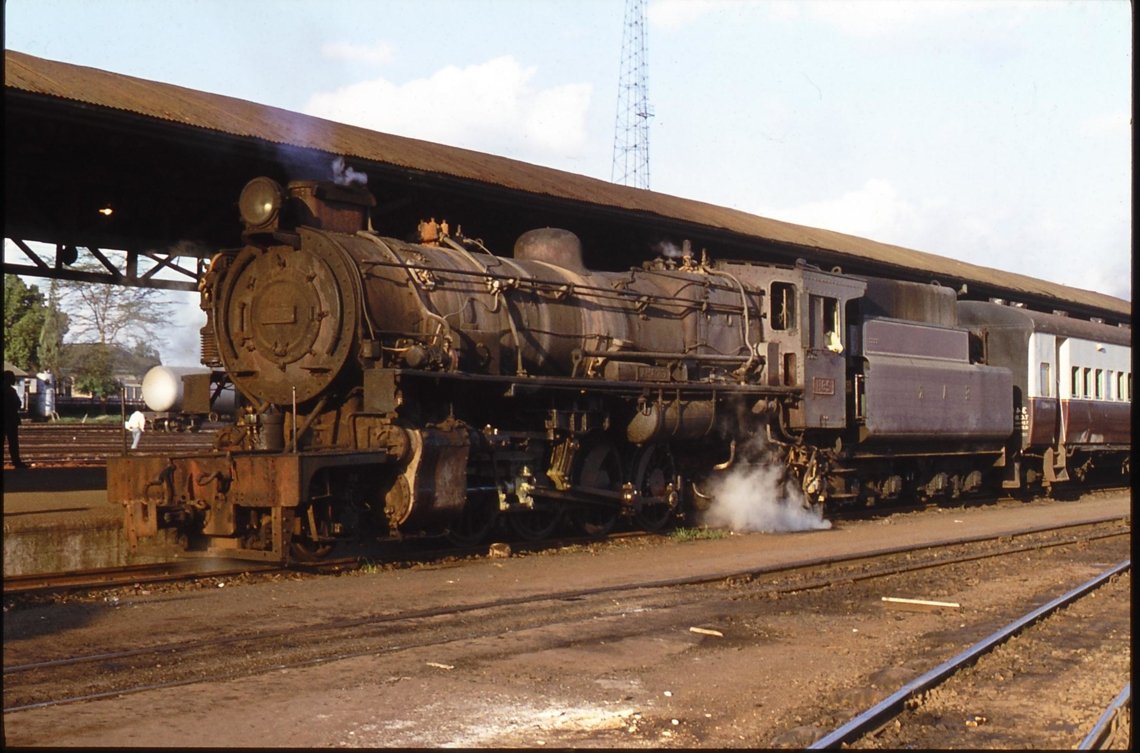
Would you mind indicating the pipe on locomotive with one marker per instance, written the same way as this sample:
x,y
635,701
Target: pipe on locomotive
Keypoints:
x,y
315,299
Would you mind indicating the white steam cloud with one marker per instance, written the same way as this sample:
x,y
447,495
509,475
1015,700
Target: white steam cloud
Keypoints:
x,y
344,175
758,495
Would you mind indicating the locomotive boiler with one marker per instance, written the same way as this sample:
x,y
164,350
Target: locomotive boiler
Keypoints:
x,y
395,388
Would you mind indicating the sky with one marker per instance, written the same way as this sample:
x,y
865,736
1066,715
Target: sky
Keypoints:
x,y
997,133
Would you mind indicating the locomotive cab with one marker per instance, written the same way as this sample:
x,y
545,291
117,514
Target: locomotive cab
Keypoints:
x,y
825,352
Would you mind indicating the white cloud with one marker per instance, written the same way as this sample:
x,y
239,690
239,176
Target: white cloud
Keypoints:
x,y
377,54
873,211
1025,238
492,107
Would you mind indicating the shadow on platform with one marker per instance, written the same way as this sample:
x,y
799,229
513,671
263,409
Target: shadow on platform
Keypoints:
x,y
54,479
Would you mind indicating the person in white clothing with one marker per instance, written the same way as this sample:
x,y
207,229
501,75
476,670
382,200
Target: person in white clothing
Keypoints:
x,y
136,424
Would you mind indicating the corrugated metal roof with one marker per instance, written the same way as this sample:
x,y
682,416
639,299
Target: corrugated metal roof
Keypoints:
x,y
241,118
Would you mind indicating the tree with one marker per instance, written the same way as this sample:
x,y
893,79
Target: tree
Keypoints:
x,y
113,314
95,368
91,365
23,319
104,321
51,334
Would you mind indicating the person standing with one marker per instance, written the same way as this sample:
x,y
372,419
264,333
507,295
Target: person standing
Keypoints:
x,y
136,425
12,406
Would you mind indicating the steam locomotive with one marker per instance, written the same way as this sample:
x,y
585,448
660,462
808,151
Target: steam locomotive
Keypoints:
x,y
392,388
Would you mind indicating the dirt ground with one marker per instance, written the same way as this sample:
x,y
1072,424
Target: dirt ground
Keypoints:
x,y
620,669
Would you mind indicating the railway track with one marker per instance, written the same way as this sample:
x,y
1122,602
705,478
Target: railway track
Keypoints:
x,y
88,444
119,577
1112,730
908,698
51,680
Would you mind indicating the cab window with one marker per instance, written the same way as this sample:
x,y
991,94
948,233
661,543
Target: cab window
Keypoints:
x,y
783,302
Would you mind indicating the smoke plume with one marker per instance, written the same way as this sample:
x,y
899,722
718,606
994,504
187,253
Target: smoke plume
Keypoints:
x,y
758,495
344,175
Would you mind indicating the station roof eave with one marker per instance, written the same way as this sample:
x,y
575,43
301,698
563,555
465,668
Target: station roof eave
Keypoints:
x,y
177,158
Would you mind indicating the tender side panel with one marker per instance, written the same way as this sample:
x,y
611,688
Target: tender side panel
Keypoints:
x,y
889,337
911,397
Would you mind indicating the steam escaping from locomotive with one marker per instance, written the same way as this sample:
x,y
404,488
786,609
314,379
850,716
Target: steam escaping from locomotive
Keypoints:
x,y
394,389
344,175
759,496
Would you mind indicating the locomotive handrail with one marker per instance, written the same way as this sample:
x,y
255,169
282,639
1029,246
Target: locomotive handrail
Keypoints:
x,y
444,325
499,291
618,355
544,284
745,323
576,384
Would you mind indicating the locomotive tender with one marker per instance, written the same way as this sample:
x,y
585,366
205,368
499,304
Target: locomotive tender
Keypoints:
x,y
396,388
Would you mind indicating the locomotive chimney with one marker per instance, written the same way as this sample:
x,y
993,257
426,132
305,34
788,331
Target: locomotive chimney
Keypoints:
x,y
265,208
329,206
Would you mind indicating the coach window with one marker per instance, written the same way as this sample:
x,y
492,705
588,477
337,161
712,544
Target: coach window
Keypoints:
x,y
1046,381
1098,380
1088,390
1075,384
783,315
1120,385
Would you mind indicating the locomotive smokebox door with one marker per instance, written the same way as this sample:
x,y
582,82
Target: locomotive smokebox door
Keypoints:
x,y
825,352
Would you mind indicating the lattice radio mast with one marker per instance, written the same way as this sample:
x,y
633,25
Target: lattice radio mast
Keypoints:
x,y
631,130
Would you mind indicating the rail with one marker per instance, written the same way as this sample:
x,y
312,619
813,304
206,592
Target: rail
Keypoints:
x,y
115,577
1109,721
370,623
891,706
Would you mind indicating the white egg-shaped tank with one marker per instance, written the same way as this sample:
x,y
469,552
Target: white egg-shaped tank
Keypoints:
x,y
162,387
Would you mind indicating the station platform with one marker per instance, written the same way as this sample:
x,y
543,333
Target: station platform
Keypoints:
x,y
59,520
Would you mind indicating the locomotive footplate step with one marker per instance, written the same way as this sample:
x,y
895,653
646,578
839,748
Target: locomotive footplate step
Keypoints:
x,y
59,520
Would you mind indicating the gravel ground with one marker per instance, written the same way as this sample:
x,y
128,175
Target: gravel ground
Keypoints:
x,y
1038,690
622,669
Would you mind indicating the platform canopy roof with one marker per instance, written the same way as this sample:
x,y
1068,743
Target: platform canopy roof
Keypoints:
x,y
170,162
